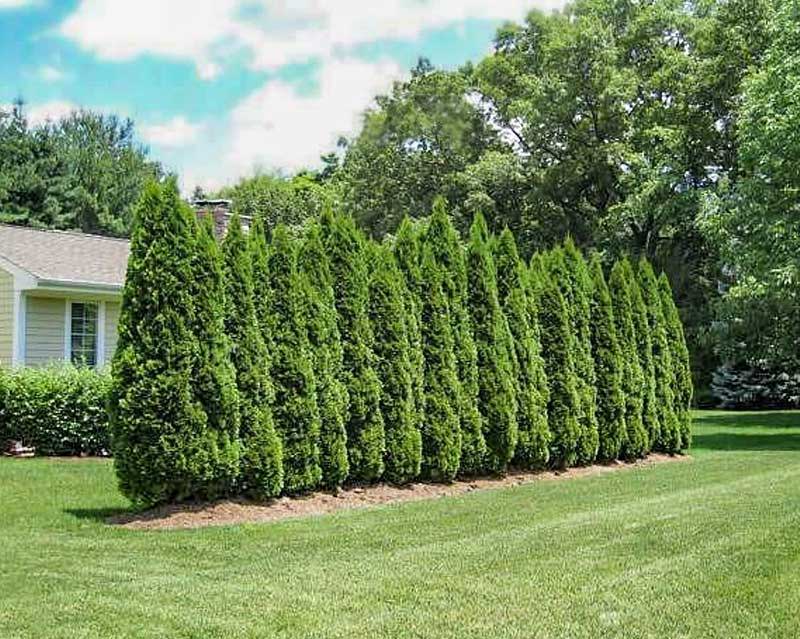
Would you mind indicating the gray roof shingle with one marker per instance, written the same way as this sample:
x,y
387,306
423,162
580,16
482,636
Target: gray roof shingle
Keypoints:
x,y
65,257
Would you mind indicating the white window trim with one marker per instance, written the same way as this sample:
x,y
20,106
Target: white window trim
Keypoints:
x,y
100,352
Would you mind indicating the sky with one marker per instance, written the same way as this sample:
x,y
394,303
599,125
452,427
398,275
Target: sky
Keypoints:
x,y
221,88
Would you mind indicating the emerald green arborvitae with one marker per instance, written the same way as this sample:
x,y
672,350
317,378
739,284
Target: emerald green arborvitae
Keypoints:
x,y
644,349
636,440
215,378
556,340
579,301
441,238
608,367
163,448
681,365
262,455
326,348
441,433
257,247
534,437
387,312
295,410
407,255
497,397
669,439
365,429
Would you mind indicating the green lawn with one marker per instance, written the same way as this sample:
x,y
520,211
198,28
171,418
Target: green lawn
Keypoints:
x,y
706,548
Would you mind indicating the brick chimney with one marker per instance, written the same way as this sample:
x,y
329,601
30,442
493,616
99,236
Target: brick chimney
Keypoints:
x,y
220,212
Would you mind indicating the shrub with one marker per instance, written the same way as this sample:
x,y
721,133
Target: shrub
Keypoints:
x,y
59,411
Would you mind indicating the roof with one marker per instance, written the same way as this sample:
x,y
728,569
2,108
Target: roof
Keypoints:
x,y
66,258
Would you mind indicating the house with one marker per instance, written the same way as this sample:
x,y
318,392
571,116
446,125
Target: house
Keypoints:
x,y
60,296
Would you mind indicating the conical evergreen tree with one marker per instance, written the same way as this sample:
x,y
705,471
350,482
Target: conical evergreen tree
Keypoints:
x,y
262,455
681,365
441,433
163,448
214,380
326,348
534,437
636,440
365,429
442,240
262,300
497,400
393,364
556,340
608,367
669,439
295,410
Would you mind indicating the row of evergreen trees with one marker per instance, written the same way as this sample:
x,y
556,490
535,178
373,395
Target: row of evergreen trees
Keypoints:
x,y
284,361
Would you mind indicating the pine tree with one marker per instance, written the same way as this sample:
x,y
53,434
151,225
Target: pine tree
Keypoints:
x,y
392,349
681,365
262,455
556,339
669,439
326,348
608,367
442,240
365,428
534,436
295,410
163,448
636,440
497,400
214,380
441,433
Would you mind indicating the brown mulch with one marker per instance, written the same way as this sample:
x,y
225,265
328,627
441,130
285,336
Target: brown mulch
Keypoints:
x,y
240,511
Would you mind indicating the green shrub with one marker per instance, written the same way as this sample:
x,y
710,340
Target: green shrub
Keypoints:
x,y
59,411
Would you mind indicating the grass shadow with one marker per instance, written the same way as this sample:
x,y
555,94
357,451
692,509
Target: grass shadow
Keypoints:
x,y
744,441
766,419
102,515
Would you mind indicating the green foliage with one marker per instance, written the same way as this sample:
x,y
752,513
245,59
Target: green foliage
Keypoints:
x,y
556,339
326,349
295,409
59,411
365,428
669,435
531,382
443,241
608,366
393,363
262,291
261,460
636,442
441,433
679,353
497,397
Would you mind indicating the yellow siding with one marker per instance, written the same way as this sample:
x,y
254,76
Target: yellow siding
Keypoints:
x,y
112,317
6,318
44,330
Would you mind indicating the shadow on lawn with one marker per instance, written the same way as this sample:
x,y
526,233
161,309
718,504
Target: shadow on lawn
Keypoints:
x,y
738,431
102,515
766,419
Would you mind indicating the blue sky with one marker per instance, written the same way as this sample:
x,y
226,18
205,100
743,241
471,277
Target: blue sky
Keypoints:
x,y
220,88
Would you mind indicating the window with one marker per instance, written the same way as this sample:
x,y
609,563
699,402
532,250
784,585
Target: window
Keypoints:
x,y
83,334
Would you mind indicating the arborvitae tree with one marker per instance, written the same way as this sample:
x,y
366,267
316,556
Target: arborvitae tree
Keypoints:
x,y
295,410
681,366
608,367
497,400
534,436
441,433
214,380
326,349
163,448
636,440
262,300
407,255
392,349
262,455
578,300
644,349
365,429
442,240
556,339
669,439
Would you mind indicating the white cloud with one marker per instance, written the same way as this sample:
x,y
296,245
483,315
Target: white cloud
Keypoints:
x,y
17,4
271,32
48,111
50,73
174,133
